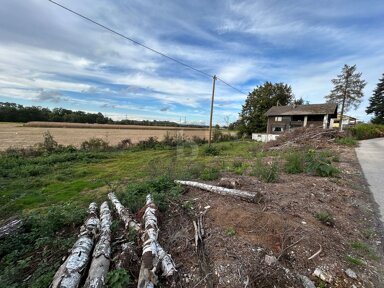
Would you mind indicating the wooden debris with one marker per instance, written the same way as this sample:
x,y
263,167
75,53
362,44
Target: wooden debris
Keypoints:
x,y
124,213
10,227
101,255
244,195
153,253
72,270
317,253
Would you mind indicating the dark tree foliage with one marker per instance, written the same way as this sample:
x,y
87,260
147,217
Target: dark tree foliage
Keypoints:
x,y
12,112
252,117
348,89
376,103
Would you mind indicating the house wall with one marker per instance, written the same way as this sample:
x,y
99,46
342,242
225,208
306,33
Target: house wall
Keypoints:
x,y
288,122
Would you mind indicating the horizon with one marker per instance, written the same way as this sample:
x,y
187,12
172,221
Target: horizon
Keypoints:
x,y
50,58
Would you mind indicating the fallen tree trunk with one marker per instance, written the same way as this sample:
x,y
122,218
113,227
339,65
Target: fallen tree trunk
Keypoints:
x,y
153,253
101,255
124,213
71,271
244,195
11,227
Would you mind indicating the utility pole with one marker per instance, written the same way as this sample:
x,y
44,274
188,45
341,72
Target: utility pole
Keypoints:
x,y
210,118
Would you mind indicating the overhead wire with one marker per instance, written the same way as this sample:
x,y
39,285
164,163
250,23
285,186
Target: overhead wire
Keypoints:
x,y
144,46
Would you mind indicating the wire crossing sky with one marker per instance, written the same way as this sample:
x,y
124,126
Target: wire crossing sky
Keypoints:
x,y
55,59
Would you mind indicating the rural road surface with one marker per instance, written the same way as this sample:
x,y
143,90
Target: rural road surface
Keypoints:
x,y
371,157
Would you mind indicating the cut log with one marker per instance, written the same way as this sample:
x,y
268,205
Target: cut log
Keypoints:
x,y
10,227
101,254
153,253
244,195
71,271
124,213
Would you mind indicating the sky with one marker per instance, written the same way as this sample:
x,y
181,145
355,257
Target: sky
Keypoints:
x,y
52,58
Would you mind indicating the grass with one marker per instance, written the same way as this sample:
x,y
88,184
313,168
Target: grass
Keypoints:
x,y
267,172
347,141
326,218
355,261
367,131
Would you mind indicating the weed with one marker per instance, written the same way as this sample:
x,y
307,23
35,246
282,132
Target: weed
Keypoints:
x,y
355,261
319,164
149,143
347,141
230,231
369,233
124,144
326,218
187,205
210,173
211,151
267,172
118,278
360,246
95,144
367,131
295,163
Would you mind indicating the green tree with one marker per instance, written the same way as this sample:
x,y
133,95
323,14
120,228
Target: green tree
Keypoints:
x,y
348,89
376,103
252,117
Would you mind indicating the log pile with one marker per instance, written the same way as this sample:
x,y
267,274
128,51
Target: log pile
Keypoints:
x,y
94,242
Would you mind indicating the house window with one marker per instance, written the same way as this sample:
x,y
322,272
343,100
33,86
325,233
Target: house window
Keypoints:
x,y
278,119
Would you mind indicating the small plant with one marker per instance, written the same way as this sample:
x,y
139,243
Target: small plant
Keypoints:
x,y
237,164
326,218
295,163
319,164
149,143
230,231
124,144
211,151
360,246
118,278
94,144
347,141
267,172
187,205
210,173
355,261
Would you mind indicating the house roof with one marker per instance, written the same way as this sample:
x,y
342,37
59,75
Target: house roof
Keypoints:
x,y
309,109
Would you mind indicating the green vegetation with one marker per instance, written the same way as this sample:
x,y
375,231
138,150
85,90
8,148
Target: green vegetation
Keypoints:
x,y
326,218
266,171
295,162
118,278
230,231
376,106
347,141
355,261
367,131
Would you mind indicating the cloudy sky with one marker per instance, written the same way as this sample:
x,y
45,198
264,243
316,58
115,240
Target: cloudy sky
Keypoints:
x,y
52,58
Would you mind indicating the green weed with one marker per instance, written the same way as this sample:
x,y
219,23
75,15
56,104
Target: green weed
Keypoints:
x,y
326,218
347,141
230,231
319,164
210,173
267,172
295,163
355,261
118,278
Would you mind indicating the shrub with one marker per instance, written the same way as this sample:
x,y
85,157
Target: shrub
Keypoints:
x,y
124,144
210,173
326,218
151,142
118,278
367,131
267,172
319,164
295,163
49,144
95,144
211,151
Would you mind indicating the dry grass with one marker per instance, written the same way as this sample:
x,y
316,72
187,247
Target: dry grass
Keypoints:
x,y
17,135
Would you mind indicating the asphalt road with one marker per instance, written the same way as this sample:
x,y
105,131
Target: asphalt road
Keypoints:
x,y
371,157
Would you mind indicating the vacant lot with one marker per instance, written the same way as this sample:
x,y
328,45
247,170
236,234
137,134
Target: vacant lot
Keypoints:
x,y
17,135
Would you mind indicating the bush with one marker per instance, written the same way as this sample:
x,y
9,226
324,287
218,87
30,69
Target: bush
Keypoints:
x,y
149,143
124,144
295,163
95,144
319,164
367,131
267,172
210,173
211,151
326,218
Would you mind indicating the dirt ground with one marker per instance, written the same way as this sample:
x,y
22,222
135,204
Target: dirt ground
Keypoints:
x,y
16,135
239,234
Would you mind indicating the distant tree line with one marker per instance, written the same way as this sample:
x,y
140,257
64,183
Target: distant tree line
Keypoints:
x,y
12,112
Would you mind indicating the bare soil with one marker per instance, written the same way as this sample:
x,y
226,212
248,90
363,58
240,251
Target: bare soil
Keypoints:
x,y
239,234
17,135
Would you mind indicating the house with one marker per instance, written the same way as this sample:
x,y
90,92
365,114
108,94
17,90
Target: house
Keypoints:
x,y
285,118
347,121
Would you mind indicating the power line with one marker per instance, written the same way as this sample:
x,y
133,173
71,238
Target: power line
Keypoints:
x,y
142,45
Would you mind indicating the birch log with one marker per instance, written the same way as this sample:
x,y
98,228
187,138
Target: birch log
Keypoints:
x,y
153,253
101,254
245,195
71,271
124,213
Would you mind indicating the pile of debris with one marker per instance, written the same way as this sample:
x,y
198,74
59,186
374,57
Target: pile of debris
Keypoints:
x,y
314,137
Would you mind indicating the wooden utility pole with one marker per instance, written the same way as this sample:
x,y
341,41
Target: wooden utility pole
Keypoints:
x,y
210,118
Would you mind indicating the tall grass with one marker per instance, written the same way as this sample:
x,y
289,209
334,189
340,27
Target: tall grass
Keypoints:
x,y
367,131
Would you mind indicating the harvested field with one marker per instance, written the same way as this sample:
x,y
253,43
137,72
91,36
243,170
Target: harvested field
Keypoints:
x,y
19,135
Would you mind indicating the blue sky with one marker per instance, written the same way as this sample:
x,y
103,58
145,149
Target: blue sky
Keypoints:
x,y
51,58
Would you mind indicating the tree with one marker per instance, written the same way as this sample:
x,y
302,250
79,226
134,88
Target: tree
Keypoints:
x,y
252,117
348,90
376,103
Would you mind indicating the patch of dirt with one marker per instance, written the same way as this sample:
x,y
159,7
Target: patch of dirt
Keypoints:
x,y
239,234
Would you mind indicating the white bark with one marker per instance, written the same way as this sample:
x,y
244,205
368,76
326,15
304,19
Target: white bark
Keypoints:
x,y
101,255
10,227
245,195
124,213
71,271
153,253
